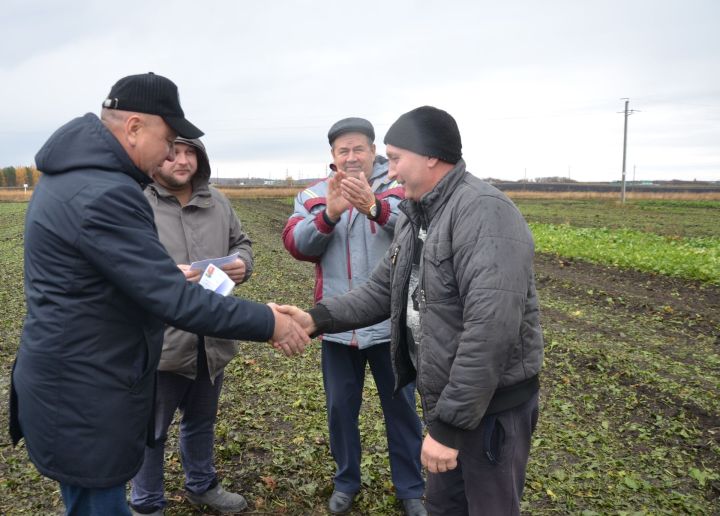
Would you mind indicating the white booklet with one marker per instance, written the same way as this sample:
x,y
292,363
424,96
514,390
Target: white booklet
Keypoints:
x,y
215,279
218,262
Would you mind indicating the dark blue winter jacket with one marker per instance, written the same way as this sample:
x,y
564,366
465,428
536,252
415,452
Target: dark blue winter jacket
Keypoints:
x,y
99,287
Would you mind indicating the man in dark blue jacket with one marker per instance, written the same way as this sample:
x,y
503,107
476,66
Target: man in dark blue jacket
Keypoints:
x,y
99,288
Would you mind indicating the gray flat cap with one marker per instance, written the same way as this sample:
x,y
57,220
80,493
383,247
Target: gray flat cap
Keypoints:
x,y
351,125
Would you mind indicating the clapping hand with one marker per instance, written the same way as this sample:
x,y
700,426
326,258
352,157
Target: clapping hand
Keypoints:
x,y
336,203
357,191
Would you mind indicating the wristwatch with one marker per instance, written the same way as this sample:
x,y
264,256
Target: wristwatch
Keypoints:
x,y
374,210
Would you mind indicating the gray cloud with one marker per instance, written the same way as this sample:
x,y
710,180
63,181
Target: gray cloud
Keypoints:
x,y
532,84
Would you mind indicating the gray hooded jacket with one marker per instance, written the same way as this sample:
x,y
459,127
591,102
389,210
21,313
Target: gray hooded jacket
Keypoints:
x,y
206,227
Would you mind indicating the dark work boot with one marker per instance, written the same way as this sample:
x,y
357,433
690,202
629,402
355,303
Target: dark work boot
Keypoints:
x,y
340,502
414,507
219,499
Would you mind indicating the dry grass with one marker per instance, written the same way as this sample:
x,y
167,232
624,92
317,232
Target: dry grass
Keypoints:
x,y
14,195
264,192
245,192
17,195
251,192
675,196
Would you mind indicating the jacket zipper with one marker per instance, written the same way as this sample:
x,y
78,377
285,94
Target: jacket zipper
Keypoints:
x,y
394,256
406,283
353,338
422,305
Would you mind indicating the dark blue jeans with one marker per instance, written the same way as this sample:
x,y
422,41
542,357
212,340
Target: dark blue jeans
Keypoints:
x,y
490,475
344,377
198,401
83,501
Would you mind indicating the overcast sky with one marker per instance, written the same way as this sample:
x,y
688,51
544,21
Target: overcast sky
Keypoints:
x,y
535,86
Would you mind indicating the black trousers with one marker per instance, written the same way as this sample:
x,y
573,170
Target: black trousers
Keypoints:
x,y
490,475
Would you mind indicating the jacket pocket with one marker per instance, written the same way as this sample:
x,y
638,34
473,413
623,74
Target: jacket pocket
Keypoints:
x,y
439,272
486,445
493,442
14,423
147,362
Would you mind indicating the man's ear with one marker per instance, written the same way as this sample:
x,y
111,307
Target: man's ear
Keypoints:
x,y
133,125
432,162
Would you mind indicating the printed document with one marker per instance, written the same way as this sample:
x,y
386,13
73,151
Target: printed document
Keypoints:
x,y
216,280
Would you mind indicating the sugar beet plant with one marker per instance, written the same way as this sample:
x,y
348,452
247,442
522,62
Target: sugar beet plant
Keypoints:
x,y
695,258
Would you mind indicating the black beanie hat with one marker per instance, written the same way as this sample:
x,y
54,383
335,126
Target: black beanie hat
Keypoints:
x,y
428,131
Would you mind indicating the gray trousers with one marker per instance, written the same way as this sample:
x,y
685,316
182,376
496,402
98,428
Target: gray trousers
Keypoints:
x,y
490,475
198,401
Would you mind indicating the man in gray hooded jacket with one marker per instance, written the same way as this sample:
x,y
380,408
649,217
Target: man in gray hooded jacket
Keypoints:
x,y
194,222
458,285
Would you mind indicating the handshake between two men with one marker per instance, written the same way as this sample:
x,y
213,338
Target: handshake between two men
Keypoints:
x,y
293,328
292,325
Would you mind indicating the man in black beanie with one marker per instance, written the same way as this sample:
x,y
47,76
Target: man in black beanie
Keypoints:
x,y
459,287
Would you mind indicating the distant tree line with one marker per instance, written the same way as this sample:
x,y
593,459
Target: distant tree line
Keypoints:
x,y
19,176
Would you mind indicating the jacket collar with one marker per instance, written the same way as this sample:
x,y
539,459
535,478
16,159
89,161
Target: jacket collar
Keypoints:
x,y
423,211
201,196
85,143
380,167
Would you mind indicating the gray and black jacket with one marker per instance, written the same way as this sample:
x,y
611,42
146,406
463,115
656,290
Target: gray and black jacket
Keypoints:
x,y
480,346
345,253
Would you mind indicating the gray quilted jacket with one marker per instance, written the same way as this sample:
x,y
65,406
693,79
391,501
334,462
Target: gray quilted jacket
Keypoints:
x,y
480,346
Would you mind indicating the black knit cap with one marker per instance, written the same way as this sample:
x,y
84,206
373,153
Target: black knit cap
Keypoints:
x,y
351,125
428,131
154,95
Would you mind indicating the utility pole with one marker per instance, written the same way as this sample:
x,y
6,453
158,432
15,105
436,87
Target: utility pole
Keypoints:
x,y
627,112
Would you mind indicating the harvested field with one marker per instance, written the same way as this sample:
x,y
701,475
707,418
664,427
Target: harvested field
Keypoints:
x,y
630,412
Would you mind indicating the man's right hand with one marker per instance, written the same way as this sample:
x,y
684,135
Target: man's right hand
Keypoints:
x,y
289,337
437,457
299,316
336,203
192,275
